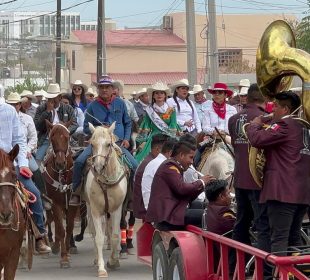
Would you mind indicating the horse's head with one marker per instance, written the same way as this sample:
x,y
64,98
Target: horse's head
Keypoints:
x,y
7,185
102,142
59,137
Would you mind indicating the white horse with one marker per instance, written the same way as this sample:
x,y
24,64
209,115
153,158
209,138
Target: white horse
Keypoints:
x,y
219,163
105,191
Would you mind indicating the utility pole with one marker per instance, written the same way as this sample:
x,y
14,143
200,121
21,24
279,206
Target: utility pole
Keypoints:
x,y
58,42
101,49
213,54
191,42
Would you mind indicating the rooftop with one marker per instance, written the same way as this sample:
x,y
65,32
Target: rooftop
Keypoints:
x,y
129,37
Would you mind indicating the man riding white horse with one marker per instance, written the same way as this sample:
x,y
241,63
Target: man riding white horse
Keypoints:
x,y
105,110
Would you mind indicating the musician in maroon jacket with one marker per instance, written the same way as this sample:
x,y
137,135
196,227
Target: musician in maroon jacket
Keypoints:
x,y
138,205
286,185
170,195
249,210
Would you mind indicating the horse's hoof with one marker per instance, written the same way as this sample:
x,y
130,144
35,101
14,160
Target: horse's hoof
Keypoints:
x,y
113,265
55,249
65,264
78,237
123,255
131,251
73,250
102,274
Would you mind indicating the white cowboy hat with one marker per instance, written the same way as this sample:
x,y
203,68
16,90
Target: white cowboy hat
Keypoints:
x,y
159,86
118,84
134,93
80,84
27,93
40,92
180,83
196,89
244,83
244,91
53,91
13,98
141,92
91,91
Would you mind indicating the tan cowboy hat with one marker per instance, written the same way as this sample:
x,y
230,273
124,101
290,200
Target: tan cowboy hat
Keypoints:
x,y
91,91
196,89
180,83
40,92
53,91
118,84
159,86
27,93
141,92
80,84
244,83
13,98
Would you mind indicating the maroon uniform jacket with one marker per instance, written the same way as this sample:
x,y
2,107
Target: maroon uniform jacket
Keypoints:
x,y
170,195
138,205
242,175
220,219
286,146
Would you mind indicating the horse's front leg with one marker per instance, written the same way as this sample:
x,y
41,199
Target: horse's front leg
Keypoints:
x,y
60,237
11,264
115,239
99,241
71,213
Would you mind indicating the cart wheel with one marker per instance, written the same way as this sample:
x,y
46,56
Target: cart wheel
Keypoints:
x,y
175,269
160,262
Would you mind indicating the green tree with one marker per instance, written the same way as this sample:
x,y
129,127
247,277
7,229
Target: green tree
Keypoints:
x,y
303,31
28,84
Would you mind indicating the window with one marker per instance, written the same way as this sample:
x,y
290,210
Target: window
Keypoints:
x,y
229,57
73,60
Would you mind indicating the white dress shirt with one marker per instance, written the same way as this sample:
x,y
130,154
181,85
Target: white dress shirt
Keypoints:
x,y
212,120
30,131
191,176
148,176
200,108
80,117
185,114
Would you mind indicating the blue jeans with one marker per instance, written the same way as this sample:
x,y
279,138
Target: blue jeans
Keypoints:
x,y
36,207
41,151
33,166
79,164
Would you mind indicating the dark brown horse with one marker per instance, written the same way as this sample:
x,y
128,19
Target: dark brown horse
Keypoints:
x,y
12,219
58,177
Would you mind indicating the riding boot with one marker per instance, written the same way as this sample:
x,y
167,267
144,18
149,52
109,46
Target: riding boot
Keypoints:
x,y
39,182
75,199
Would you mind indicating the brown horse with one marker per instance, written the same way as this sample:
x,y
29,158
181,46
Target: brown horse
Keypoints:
x,y
58,177
12,219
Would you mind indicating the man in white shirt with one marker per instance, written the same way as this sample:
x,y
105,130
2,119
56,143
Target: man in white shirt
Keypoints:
x,y
152,167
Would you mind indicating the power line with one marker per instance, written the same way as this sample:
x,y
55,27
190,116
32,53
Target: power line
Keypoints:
x,y
50,13
8,2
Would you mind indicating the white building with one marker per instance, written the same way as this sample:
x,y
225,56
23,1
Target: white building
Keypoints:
x,y
14,25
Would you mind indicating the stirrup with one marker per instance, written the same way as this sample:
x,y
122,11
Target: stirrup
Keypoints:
x,y
75,200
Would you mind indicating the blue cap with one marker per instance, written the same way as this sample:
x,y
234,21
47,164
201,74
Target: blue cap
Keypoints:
x,y
105,80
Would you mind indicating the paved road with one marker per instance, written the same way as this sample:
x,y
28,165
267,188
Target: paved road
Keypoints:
x,y
82,268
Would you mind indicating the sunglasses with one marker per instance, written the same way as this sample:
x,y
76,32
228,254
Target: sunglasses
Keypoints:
x,y
77,88
218,93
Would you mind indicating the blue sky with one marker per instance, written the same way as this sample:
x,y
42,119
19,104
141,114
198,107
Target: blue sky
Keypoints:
x,y
149,12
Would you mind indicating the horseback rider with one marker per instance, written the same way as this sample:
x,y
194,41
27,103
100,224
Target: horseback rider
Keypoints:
x,y
106,109
12,134
55,112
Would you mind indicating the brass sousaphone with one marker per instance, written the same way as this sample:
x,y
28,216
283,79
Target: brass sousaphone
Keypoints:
x,y
277,61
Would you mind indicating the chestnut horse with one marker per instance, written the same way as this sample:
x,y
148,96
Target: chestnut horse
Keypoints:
x,y
12,218
57,173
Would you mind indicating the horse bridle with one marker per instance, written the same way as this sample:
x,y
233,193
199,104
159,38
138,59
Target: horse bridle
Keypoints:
x,y
106,157
8,184
68,149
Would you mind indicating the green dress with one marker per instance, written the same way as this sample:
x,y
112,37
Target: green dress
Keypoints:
x,y
148,129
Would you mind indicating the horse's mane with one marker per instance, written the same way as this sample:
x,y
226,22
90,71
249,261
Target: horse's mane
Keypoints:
x,y
101,132
4,160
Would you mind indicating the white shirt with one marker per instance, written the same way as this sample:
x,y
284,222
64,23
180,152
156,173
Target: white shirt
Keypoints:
x,y
56,118
148,176
29,130
212,120
131,110
80,117
185,114
200,108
